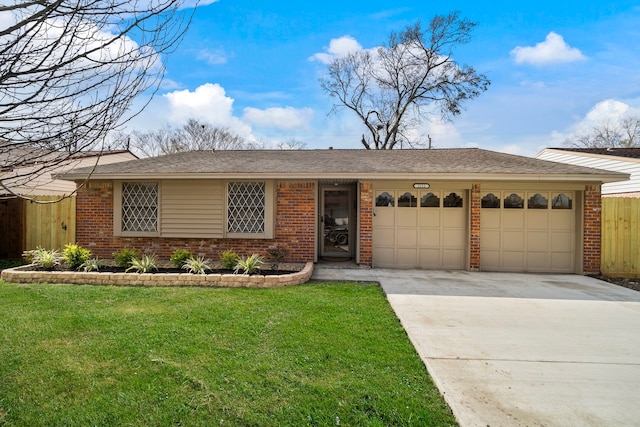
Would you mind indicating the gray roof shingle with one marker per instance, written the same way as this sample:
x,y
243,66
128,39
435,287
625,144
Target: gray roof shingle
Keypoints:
x,y
326,163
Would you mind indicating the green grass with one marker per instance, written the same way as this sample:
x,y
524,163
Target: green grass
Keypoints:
x,y
318,354
7,263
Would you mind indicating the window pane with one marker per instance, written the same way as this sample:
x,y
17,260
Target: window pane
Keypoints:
x,y
385,199
490,201
246,207
514,202
537,201
561,201
140,206
430,200
452,201
407,200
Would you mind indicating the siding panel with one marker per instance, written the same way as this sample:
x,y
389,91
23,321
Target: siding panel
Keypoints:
x,y
192,209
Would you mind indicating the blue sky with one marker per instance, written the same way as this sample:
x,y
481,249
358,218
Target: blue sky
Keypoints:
x,y
556,67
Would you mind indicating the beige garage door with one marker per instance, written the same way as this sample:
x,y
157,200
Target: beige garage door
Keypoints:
x,y
420,228
527,231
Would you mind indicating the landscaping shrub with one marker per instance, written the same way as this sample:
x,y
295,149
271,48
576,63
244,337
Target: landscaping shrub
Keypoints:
x,y
124,257
229,259
196,265
43,258
249,265
146,264
180,257
75,255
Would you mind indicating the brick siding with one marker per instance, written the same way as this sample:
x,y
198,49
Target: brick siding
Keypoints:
x,y
474,241
592,229
295,227
365,255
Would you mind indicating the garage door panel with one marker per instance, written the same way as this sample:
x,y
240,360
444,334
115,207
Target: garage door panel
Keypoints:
x,y
562,220
538,261
453,217
562,241
407,217
430,258
491,218
513,240
453,258
513,261
528,237
454,238
513,219
385,217
420,235
562,262
490,240
430,238
384,236
407,257
429,217
538,241
406,237
490,260
537,220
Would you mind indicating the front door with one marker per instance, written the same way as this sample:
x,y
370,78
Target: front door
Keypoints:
x,y
336,224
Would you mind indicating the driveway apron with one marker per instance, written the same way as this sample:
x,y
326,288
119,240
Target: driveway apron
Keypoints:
x,y
521,349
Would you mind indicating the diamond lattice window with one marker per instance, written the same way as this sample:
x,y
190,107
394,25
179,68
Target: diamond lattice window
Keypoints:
x,y
246,207
140,206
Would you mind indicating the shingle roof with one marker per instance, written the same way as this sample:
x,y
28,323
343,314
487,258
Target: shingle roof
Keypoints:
x,y
633,153
325,163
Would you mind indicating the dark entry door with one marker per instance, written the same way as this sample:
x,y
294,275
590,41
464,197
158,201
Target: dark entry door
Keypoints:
x,y
336,227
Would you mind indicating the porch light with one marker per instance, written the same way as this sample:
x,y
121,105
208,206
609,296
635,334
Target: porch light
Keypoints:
x,y
421,185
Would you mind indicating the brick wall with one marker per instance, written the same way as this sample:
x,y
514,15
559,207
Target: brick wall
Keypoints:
x,y
294,222
592,229
474,232
365,256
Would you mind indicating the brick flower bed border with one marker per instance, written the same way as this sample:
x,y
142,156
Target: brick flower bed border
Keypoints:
x,y
24,274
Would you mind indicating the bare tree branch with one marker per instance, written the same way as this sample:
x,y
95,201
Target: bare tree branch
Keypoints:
x,y
70,70
193,135
397,86
622,134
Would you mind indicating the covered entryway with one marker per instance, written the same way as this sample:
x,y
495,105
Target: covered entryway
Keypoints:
x,y
420,227
528,230
337,219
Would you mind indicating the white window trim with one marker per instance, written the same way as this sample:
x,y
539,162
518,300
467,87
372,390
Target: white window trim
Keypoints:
x,y
269,209
117,211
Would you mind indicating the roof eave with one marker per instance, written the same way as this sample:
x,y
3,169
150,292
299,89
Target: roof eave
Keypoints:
x,y
538,177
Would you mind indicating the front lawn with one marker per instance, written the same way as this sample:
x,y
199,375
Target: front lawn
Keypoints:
x,y
319,354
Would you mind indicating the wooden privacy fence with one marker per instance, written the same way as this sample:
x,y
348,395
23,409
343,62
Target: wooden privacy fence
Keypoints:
x,y
50,225
620,256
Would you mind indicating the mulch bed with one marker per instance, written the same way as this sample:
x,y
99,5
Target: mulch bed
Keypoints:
x,y
627,283
114,269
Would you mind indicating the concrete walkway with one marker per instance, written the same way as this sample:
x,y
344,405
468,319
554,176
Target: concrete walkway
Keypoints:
x,y
520,349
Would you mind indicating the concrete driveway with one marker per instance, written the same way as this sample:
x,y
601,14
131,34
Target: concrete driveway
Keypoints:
x,y
520,349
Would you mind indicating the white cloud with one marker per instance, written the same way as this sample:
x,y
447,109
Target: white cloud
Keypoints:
x,y
552,50
607,111
338,48
288,118
212,56
208,103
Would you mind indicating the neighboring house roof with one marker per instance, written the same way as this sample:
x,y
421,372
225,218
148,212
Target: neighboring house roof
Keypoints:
x,y
624,160
455,164
34,176
633,153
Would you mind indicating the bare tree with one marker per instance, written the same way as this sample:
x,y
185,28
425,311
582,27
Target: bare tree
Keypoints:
x,y
622,134
395,87
291,144
193,135
69,72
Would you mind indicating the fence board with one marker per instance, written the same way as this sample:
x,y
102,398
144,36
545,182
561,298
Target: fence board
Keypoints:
x,y
621,237
50,225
